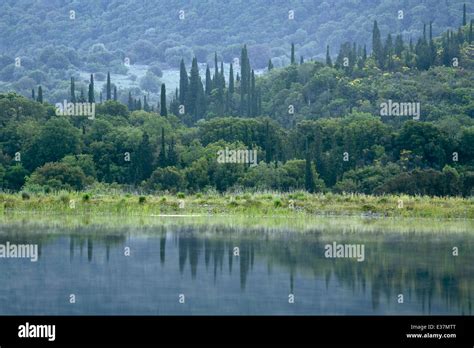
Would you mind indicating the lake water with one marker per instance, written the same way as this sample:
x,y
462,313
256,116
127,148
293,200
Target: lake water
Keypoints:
x,y
228,269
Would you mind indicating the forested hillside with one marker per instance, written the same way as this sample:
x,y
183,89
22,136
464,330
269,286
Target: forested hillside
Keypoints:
x,y
154,30
47,42
315,125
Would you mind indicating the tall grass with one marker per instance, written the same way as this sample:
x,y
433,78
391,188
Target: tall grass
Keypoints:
x,y
242,203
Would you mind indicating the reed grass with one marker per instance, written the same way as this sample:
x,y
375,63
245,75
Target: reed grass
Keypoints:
x,y
298,204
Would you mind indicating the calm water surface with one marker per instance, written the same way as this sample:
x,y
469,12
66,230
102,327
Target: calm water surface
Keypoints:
x,y
200,262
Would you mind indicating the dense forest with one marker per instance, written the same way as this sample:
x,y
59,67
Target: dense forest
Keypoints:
x,y
47,42
316,124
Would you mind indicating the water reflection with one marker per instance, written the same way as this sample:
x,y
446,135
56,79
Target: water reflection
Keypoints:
x,y
229,270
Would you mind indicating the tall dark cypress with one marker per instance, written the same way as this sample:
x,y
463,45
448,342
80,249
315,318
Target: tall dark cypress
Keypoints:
x,y
33,94
115,93
432,46
172,155
100,97
270,64
244,77
146,106
221,76
244,82
268,144
231,79
183,83
164,110
399,46
377,48
216,71
470,32
464,15
131,104
73,91
40,94
82,97
194,95
208,81
162,155
309,179
200,109
293,53
144,159
91,90
109,88
253,96
328,57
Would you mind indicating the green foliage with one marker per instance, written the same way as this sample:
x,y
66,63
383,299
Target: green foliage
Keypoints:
x,y
58,176
336,139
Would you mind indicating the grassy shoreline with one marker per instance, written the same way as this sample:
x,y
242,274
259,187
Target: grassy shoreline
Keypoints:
x,y
298,204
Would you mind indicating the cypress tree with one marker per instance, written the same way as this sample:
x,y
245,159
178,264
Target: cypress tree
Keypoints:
x,y
231,79
115,93
73,91
216,70
40,95
162,155
183,83
399,46
328,57
364,53
108,89
33,94
432,46
82,98
146,106
254,110
91,90
309,180
259,102
222,77
388,50
100,97
144,158
193,90
208,81
244,80
270,64
377,48
268,144
293,53
464,15
200,108
164,110
172,155
470,32
130,102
